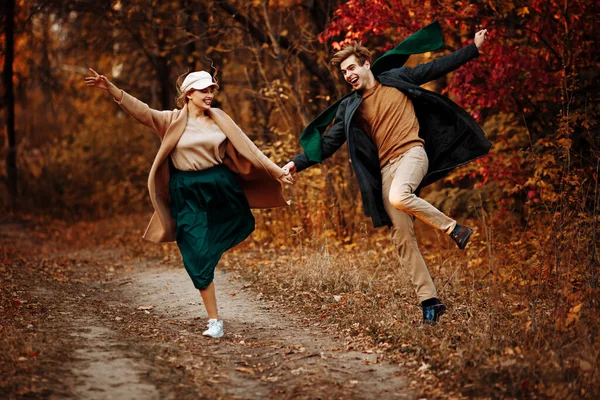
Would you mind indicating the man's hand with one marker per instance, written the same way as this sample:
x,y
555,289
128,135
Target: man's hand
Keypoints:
x,y
290,168
480,37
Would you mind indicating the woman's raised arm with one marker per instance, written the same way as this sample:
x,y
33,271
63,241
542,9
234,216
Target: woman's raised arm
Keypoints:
x,y
157,120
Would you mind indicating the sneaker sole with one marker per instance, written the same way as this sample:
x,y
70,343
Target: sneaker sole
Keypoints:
x,y
213,336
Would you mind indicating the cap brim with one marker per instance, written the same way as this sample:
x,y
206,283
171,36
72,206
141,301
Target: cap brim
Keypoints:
x,y
199,86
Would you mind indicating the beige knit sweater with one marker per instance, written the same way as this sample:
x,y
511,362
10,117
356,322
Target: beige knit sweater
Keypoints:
x,y
201,146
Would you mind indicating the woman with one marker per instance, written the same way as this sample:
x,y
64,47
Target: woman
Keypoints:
x,y
205,177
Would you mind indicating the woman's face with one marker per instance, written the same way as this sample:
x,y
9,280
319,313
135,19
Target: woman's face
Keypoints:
x,y
201,98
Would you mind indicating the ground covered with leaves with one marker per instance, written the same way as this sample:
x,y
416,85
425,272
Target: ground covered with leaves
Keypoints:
x,y
501,338
513,330
91,311
56,286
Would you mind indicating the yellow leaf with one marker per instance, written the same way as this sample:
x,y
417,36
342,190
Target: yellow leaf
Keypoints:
x,y
350,246
576,309
523,11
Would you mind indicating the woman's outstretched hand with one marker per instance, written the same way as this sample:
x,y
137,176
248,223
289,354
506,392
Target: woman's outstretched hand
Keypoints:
x,y
102,82
97,80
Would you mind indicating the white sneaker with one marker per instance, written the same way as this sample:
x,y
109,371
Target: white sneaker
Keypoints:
x,y
215,328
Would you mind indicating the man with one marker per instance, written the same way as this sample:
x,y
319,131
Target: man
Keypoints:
x,y
402,137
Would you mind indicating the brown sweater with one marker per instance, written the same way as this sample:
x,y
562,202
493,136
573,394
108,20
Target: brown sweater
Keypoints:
x,y
387,115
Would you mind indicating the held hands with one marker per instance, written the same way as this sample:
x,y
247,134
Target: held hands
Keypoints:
x,y
286,178
288,170
480,37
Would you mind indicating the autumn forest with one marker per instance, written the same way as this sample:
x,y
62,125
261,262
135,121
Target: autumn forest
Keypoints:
x,y
523,297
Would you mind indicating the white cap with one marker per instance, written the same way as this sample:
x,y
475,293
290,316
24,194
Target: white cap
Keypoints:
x,y
197,80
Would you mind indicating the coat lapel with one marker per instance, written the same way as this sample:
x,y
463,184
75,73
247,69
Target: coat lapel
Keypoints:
x,y
162,226
167,145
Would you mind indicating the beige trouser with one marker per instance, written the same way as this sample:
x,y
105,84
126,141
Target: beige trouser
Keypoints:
x,y
400,178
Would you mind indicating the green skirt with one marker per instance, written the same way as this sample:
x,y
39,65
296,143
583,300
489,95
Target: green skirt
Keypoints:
x,y
212,215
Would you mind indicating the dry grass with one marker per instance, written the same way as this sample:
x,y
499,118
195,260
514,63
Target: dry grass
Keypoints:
x,y
500,338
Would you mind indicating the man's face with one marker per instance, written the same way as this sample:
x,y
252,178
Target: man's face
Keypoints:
x,y
355,74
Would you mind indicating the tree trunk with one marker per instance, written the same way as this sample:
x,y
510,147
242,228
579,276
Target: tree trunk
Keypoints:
x,y
166,94
9,100
190,47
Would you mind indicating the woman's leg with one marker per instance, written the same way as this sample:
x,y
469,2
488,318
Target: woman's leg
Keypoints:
x,y
209,298
215,327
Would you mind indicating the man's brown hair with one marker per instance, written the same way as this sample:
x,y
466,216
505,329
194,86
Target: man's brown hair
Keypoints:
x,y
356,49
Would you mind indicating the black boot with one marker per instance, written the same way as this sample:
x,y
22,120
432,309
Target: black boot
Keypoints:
x,y
432,310
461,234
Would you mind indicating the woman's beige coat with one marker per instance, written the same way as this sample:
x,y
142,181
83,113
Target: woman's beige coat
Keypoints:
x,y
258,175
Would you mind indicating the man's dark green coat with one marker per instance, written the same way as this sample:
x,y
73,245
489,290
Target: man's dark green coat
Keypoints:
x,y
452,137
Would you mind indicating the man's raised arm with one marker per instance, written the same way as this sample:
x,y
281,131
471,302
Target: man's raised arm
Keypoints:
x,y
437,68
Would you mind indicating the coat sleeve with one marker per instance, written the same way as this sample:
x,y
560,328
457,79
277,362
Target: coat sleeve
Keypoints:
x,y
242,144
159,121
331,141
441,66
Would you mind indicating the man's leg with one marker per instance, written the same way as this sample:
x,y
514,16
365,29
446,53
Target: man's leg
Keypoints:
x,y
403,236
411,169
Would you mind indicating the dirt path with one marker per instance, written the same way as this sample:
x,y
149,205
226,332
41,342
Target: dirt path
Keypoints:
x,y
103,370
104,325
265,353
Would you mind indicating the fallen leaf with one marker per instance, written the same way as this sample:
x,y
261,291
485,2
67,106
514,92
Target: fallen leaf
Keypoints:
x,y
423,367
244,370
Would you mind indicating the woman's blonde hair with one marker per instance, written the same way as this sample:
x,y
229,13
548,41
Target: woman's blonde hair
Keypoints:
x,y
181,98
